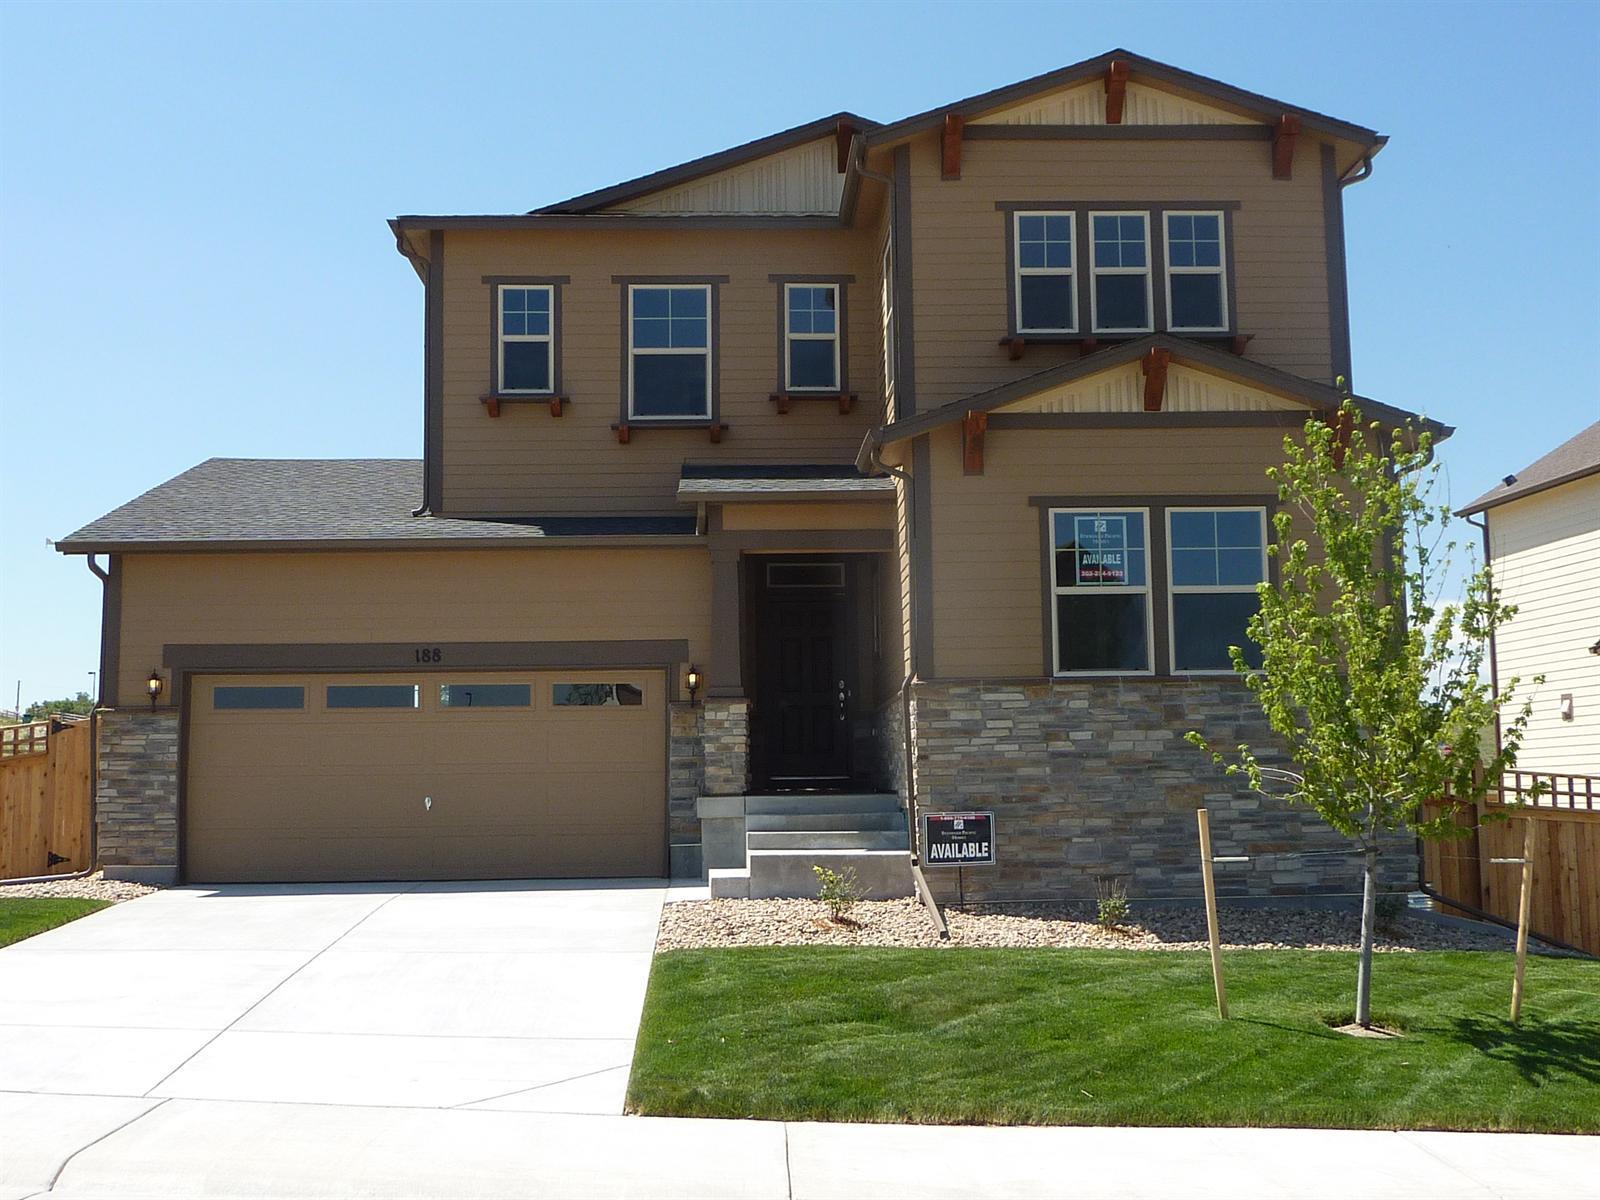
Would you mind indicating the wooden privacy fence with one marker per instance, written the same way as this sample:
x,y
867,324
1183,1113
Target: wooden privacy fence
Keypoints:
x,y
1566,857
45,798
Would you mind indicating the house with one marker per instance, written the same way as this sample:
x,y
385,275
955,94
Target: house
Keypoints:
x,y
1541,531
859,472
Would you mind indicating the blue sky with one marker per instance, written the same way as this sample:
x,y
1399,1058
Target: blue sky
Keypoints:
x,y
193,198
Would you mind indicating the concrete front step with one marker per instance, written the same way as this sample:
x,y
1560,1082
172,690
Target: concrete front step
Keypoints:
x,y
791,822
797,804
827,839
879,874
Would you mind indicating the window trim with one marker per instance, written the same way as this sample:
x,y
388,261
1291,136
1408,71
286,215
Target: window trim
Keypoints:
x,y
1220,270
496,283
1054,591
841,348
713,352
1148,271
887,309
1018,271
1174,589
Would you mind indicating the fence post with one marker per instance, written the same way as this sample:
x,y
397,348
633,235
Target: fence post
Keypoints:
x,y
1204,819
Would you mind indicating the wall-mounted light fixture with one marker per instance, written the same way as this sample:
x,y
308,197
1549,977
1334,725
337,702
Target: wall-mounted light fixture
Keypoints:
x,y
1566,706
154,686
691,680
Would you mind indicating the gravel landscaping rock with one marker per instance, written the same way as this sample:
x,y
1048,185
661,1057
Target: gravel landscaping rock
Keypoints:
x,y
90,887
702,924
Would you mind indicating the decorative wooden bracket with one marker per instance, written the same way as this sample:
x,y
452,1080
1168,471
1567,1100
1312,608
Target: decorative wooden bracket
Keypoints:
x,y
623,433
1015,344
1284,135
973,426
491,404
950,159
1343,428
716,431
1088,346
1239,342
1154,366
785,400
843,135
1116,91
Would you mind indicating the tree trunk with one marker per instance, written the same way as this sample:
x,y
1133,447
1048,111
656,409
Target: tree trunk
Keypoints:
x,y
1369,909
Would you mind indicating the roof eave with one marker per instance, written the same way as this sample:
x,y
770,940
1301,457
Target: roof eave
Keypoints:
x,y
284,545
1489,500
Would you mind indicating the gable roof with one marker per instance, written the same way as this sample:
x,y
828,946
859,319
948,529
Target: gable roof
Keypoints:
x,y
1140,67
1576,458
1319,397
320,503
722,160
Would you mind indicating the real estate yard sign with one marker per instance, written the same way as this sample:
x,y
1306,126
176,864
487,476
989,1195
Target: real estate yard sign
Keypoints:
x,y
958,839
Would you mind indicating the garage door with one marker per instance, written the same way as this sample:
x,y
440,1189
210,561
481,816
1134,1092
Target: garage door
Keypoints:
x,y
459,776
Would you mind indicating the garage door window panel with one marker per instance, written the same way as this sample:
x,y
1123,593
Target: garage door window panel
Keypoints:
x,y
596,695
257,698
373,695
485,695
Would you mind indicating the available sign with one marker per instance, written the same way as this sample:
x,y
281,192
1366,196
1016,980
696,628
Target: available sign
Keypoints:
x,y
1102,544
958,839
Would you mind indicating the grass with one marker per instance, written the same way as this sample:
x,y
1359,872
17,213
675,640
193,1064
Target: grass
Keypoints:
x,y
1093,1037
24,917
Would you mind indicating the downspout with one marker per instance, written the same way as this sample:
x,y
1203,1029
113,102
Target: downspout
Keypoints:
x,y
1359,173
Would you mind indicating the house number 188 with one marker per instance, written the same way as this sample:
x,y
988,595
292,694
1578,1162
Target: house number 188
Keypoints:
x,y
429,654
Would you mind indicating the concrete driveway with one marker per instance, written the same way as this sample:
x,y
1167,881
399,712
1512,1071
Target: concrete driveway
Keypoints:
x,y
511,996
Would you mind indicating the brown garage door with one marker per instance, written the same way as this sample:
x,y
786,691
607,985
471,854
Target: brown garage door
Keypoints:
x,y
441,776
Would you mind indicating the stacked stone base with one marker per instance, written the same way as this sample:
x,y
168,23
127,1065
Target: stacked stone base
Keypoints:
x,y
136,796
1093,785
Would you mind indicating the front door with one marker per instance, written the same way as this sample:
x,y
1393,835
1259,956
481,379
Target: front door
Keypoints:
x,y
804,693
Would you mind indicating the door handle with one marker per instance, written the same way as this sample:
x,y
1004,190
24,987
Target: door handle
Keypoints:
x,y
427,803
844,698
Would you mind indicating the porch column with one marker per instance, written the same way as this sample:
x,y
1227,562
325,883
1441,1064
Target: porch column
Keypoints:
x,y
726,668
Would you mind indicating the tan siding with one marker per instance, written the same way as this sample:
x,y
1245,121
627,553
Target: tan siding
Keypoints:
x,y
1546,551
528,461
421,596
843,514
802,180
988,586
1086,105
959,246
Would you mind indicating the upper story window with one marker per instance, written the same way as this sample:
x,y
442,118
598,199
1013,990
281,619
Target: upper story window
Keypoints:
x,y
1120,264
1197,298
811,336
886,312
1217,557
1046,279
669,351
1100,592
525,342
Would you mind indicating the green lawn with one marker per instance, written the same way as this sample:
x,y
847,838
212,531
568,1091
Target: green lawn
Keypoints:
x,y
1116,1038
23,918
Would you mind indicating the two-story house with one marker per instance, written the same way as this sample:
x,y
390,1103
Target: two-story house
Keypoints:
x,y
921,460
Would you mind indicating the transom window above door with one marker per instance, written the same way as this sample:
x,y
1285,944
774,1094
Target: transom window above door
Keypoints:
x,y
669,351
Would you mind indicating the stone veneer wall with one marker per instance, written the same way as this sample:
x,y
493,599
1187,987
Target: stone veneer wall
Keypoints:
x,y
725,733
685,773
136,798
1093,780
889,740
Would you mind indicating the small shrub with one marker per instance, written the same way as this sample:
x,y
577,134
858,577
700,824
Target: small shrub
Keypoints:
x,y
1112,907
838,891
1391,906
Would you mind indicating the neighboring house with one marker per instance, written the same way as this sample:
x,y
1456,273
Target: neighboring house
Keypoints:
x,y
1542,537
718,459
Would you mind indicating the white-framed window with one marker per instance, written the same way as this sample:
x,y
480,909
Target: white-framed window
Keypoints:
x,y
669,351
1119,266
811,337
1197,288
1100,619
526,341
886,311
1215,559
1045,289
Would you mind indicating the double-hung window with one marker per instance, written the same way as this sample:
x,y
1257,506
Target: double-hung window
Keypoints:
x,y
525,345
1197,298
669,351
1046,282
1100,591
1119,263
1217,558
811,336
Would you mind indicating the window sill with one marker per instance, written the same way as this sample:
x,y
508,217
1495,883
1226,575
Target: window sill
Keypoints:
x,y
1087,343
626,429
555,402
845,400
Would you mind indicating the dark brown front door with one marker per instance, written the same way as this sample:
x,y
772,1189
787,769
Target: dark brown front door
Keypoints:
x,y
804,696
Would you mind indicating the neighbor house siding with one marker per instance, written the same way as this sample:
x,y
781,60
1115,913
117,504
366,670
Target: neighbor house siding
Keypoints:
x,y
959,245
525,460
1546,554
575,595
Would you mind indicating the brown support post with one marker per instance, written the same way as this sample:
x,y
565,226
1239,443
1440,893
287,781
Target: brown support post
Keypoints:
x,y
1116,91
1155,377
950,159
973,426
1284,135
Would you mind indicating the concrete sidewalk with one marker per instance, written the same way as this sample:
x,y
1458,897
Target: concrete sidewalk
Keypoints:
x,y
78,1147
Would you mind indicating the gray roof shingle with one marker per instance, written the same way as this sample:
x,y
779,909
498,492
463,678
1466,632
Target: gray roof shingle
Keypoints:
x,y
1573,459
759,481
247,502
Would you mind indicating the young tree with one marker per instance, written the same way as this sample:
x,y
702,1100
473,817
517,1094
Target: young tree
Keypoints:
x,y
79,705
1371,678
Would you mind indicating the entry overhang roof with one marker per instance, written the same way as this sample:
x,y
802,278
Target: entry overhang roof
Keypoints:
x,y
724,483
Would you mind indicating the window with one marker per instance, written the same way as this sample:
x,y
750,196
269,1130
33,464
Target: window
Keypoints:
x,y
485,695
525,338
669,351
1100,591
887,313
372,695
258,697
594,695
1120,265
1197,298
811,336
1218,556
1046,279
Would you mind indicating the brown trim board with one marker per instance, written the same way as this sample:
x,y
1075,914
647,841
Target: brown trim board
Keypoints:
x,y
319,657
433,386
1338,280
921,551
905,342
